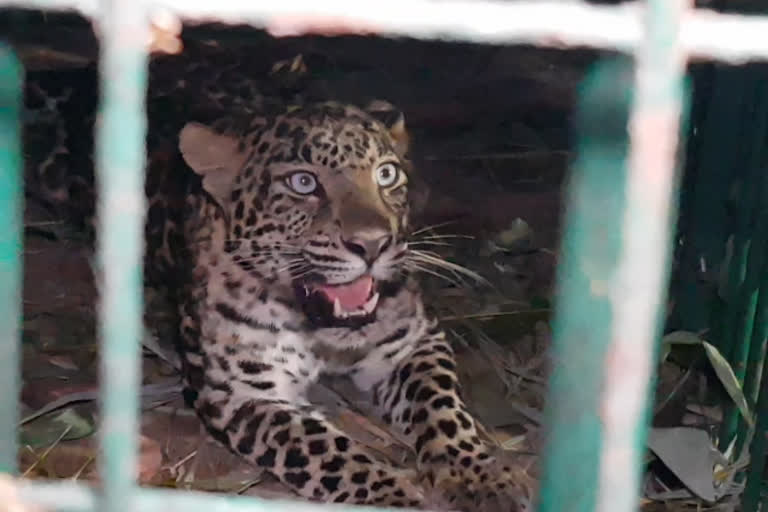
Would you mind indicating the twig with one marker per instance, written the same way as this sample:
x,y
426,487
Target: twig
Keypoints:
x,y
47,452
491,315
79,472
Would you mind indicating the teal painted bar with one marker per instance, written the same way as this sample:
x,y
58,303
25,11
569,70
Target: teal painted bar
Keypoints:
x,y
750,236
759,344
120,150
754,325
640,284
751,497
582,325
707,227
10,254
613,274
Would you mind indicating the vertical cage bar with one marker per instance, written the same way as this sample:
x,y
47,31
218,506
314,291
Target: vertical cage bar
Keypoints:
x,y
750,248
120,150
10,254
750,347
713,171
757,453
613,275
638,294
759,343
581,326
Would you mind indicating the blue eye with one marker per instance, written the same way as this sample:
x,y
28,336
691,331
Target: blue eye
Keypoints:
x,y
302,182
386,175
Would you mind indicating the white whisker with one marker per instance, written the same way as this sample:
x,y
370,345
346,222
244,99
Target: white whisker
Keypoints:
x,y
429,242
433,226
437,237
419,268
432,258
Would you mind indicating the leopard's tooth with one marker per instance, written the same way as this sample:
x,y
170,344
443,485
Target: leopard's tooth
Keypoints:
x,y
337,311
371,303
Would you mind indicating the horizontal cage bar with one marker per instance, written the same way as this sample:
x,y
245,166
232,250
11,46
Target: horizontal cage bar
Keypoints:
x,y
74,497
703,33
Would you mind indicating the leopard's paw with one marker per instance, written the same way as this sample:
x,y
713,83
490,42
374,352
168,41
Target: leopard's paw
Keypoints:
x,y
496,484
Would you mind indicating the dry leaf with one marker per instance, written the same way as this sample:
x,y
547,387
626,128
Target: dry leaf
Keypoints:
x,y
687,452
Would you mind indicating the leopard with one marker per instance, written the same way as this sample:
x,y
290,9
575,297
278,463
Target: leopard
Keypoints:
x,y
281,233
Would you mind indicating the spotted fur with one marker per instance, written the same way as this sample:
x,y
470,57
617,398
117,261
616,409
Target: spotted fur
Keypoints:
x,y
231,238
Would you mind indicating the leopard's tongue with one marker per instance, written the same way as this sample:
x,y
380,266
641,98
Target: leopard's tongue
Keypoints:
x,y
351,295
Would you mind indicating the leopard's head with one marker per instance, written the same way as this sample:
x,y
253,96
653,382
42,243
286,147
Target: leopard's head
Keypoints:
x,y
314,199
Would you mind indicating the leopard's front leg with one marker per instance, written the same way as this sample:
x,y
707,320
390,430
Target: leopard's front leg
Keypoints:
x,y
253,402
422,398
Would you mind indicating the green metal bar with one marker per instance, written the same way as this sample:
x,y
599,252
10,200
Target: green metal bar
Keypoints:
x,y
716,172
757,452
756,390
612,276
639,291
10,254
590,249
120,150
753,322
747,264
759,343
749,248
707,219
737,269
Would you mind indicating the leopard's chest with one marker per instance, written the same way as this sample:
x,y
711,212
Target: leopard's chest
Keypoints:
x,y
253,322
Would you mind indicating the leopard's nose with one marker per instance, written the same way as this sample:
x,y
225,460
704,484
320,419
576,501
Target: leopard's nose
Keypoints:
x,y
368,244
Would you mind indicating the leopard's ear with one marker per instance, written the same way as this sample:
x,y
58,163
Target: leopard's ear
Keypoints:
x,y
393,119
216,157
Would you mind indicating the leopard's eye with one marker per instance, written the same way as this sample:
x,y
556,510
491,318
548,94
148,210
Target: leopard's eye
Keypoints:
x,y
302,182
387,174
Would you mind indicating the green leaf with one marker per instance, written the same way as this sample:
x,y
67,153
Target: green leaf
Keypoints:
x,y
722,368
730,381
677,338
47,429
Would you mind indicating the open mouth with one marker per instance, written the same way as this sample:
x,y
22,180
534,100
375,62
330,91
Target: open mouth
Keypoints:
x,y
347,304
